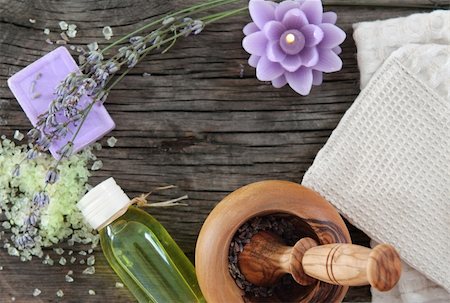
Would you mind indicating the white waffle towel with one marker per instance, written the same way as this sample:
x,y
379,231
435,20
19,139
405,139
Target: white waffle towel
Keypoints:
x,y
386,167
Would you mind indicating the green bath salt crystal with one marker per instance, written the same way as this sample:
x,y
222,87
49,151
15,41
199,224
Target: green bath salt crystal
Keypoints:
x,y
58,221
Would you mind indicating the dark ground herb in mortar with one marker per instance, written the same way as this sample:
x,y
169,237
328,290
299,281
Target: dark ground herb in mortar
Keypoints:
x,y
281,225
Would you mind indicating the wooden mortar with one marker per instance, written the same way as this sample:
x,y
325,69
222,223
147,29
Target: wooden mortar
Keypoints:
x,y
317,261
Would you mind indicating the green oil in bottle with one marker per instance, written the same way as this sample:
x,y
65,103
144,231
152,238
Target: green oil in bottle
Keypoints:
x,y
139,248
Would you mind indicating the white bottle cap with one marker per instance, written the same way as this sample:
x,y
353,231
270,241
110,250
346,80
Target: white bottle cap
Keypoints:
x,y
103,204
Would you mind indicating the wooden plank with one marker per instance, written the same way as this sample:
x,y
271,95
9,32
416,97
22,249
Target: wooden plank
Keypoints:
x,y
195,122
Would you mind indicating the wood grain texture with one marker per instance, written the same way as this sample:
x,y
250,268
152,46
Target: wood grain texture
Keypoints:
x,y
195,122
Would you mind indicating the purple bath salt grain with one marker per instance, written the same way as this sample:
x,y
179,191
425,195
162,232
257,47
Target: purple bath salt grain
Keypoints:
x,y
53,68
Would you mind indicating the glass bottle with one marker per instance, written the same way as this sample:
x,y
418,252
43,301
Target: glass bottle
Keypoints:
x,y
139,248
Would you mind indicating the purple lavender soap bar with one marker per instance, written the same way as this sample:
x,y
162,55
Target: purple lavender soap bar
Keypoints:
x,y
46,73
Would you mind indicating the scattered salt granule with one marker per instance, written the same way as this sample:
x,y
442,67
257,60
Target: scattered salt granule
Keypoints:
x,y
90,261
12,251
1,267
62,261
145,75
72,260
93,46
70,252
82,261
119,285
70,272
83,253
68,279
97,165
32,20
107,32
111,141
46,31
36,292
6,225
64,37
71,30
81,59
61,42
60,293
13,299
90,251
63,25
58,251
91,292
18,135
48,41
89,270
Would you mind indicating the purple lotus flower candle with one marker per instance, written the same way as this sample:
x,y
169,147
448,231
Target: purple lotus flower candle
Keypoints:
x,y
292,42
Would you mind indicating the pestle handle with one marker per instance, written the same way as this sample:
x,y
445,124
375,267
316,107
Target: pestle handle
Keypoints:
x,y
354,265
266,259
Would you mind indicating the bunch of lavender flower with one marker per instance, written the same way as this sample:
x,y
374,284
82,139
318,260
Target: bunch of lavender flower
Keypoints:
x,y
95,79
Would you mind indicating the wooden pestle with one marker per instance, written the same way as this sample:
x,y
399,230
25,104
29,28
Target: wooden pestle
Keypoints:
x,y
265,259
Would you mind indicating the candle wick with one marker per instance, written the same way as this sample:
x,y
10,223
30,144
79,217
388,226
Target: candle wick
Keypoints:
x,y
290,38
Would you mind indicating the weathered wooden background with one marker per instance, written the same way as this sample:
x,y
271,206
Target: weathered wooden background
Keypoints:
x,y
197,122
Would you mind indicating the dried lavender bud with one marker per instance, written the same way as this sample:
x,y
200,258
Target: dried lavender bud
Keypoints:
x,y
43,142
24,240
32,154
16,171
52,176
41,199
168,20
66,150
34,134
94,57
32,219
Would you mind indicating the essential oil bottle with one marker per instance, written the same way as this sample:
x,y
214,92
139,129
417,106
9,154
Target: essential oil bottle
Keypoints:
x,y
139,248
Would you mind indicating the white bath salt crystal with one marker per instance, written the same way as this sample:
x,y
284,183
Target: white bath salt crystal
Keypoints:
x,y
91,292
12,251
119,285
1,267
72,27
82,261
80,49
81,59
46,31
48,41
71,33
6,225
58,251
63,25
13,299
70,272
61,42
90,251
60,293
93,46
70,252
83,253
18,135
50,262
33,21
62,261
73,260
68,279
107,32
90,261
111,141
145,75
36,292
89,270
97,165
